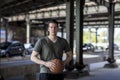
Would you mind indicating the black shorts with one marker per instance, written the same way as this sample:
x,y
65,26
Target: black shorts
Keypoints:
x,y
47,76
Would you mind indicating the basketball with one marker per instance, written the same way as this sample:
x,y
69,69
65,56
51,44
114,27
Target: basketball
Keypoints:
x,y
58,66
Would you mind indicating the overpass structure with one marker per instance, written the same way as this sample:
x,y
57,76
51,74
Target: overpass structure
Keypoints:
x,y
99,19
95,11
70,13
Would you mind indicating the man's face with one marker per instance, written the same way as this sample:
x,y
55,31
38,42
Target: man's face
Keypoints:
x,y
52,28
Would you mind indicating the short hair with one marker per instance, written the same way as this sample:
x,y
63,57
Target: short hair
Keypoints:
x,y
53,21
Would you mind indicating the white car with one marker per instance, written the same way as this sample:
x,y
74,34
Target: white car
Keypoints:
x,y
116,47
29,48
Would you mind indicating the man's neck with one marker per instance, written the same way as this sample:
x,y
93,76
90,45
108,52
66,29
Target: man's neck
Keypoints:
x,y
53,38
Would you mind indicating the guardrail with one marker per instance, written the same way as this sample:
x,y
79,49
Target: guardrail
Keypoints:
x,y
29,70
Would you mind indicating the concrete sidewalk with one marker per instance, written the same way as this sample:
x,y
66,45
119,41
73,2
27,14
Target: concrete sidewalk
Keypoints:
x,y
97,72
102,74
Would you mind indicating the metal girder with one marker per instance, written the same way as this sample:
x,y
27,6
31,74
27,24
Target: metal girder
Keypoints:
x,y
21,6
101,2
6,2
15,7
85,20
101,24
97,21
102,19
58,11
105,2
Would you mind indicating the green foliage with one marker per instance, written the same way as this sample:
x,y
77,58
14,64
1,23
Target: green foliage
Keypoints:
x,y
102,37
86,38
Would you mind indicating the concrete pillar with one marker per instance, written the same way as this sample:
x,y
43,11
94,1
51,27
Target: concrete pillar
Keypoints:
x,y
30,76
89,35
96,34
45,28
62,30
0,29
70,28
79,34
4,24
70,22
111,59
27,29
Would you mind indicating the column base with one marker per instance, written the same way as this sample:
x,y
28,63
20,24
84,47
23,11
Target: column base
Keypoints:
x,y
30,77
83,73
79,66
111,65
111,60
69,67
75,74
1,77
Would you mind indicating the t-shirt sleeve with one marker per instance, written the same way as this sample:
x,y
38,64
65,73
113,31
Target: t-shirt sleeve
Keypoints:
x,y
66,47
38,46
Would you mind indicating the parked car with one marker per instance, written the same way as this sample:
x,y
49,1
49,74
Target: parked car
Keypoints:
x,y
88,47
116,47
29,48
12,48
3,47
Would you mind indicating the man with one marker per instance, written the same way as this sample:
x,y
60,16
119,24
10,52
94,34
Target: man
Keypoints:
x,y
48,48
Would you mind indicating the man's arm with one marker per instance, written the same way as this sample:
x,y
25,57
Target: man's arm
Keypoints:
x,y
68,58
36,59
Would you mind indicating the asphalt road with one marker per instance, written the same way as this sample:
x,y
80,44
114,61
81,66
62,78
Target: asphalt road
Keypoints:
x,y
89,57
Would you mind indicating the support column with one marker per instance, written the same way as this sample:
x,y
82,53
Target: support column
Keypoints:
x,y
30,76
70,28
4,24
0,29
96,33
111,59
27,29
79,34
89,35
45,28
62,30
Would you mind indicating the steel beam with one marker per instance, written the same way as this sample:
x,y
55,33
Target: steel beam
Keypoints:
x,y
79,34
111,32
70,28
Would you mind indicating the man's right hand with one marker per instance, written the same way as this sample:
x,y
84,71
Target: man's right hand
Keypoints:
x,y
50,65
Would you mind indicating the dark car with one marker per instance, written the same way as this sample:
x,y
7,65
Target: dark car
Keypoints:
x,y
12,48
116,47
88,47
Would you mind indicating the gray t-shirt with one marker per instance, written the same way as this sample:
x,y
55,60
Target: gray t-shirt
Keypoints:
x,y
49,50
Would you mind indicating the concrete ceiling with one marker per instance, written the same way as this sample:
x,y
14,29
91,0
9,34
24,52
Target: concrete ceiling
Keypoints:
x,y
13,7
